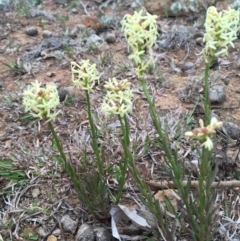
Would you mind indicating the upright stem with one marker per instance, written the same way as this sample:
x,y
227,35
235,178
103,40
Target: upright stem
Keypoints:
x,y
125,131
59,146
206,92
204,190
94,136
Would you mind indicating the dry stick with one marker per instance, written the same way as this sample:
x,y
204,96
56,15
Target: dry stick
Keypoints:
x,y
155,186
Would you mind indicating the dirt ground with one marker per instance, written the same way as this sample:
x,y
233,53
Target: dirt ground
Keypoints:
x,y
46,193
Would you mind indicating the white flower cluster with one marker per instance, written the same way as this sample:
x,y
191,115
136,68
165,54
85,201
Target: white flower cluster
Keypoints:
x,y
221,30
41,102
118,99
84,75
140,32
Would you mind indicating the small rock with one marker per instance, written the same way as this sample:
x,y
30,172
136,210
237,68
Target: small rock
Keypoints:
x,y
217,94
51,238
41,232
46,34
69,225
238,63
93,39
134,5
232,130
187,66
85,233
35,192
199,41
32,31
51,74
110,38
62,93
56,232
74,11
1,83
77,29
102,234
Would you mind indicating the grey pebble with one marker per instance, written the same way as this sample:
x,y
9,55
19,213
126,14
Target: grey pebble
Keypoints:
x,y
85,233
110,38
62,93
68,224
102,234
74,11
1,83
93,39
41,232
46,34
232,130
31,31
238,63
217,94
187,66
199,41
77,29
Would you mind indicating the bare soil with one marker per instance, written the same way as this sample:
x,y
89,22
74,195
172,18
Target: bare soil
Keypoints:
x,y
48,193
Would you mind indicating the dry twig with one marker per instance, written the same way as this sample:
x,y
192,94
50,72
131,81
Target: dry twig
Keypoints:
x,y
155,186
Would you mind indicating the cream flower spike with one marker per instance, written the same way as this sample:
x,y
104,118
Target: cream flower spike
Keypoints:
x,y
221,30
84,75
140,31
118,99
41,102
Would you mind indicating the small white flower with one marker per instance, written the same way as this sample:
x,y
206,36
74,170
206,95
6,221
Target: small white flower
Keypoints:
x,y
41,102
208,144
84,75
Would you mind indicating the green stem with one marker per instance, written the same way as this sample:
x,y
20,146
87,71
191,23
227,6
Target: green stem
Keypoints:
x,y
206,92
59,146
156,121
94,136
204,190
125,131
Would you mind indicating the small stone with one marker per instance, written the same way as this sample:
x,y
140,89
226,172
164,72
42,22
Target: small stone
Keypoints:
x,y
217,94
85,233
56,232
238,63
1,83
134,5
77,29
41,232
199,41
35,192
232,130
110,38
102,234
46,34
51,74
51,238
93,39
62,93
187,66
74,11
32,31
69,225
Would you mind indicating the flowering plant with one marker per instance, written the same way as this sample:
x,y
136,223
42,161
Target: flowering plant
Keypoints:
x,y
221,30
118,99
203,133
84,75
40,101
140,31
